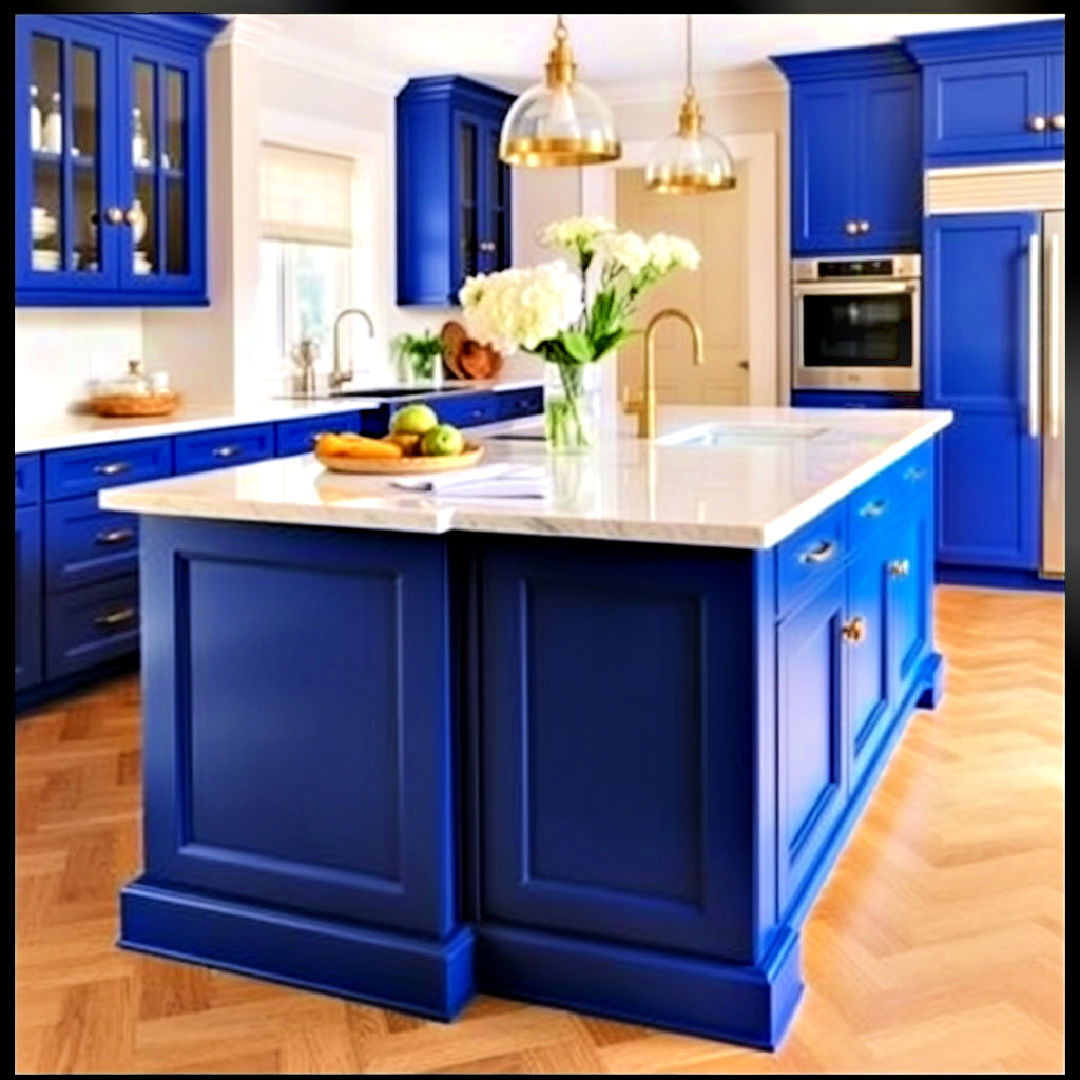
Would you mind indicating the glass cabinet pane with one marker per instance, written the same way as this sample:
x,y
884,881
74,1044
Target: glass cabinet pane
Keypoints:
x,y
173,167
47,225
142,214
85,161
468,179
498,186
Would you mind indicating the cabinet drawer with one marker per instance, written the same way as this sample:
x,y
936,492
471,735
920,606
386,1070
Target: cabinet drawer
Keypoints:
x,y
84,543
809,556
515,403
86,469
223,447
468,410
874,506
298,436
27,479
91,624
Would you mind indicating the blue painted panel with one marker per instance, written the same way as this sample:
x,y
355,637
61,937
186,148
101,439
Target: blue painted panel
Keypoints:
x,y
90,624
512,404
810,555
223,447
84,470
977,349
812,726
911,551
298,436
84,543
466,410
975,107
889,173
297,742
842,399
27,479
1055,96
617,732
27,596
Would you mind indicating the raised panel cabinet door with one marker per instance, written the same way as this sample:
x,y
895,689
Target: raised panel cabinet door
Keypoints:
x,y
909,572
977,108
65,139
983,363
28,588
824,161
616,739
160,165
890,165
298,744
1055,98
812,772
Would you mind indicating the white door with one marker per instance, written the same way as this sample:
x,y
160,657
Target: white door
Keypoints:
x,y
715,294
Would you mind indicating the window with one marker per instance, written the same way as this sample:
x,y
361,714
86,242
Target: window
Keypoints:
x,y
305,271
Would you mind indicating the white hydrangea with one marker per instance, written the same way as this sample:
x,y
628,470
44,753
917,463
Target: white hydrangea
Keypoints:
x,y
518,309
576,234
626,249
667,252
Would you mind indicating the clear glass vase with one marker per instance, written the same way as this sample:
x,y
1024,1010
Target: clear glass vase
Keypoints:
x,y
571,406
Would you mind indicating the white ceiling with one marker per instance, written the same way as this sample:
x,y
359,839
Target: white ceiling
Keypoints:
x,y
510,49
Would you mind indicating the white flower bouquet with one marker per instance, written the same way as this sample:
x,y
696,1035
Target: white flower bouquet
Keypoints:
x,y
545,309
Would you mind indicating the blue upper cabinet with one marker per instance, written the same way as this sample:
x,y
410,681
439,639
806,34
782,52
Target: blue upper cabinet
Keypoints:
x,y
855,150
453,192
993,94
110,159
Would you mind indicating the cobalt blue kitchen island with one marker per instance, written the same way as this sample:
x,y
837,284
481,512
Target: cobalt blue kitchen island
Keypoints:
x,y
599,750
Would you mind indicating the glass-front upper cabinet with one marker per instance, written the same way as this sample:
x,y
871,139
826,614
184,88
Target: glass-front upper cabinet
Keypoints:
x,y
110,159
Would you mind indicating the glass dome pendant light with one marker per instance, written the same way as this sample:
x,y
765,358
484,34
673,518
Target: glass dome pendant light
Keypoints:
x,y
560,121
692,161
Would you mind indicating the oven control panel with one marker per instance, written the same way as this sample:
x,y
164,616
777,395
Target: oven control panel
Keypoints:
x,y
873,268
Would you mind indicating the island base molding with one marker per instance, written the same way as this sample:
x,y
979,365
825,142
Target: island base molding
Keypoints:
x,y
433,979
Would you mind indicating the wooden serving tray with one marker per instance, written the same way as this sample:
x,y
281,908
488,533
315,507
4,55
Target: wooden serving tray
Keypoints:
x,y
135,405
403,466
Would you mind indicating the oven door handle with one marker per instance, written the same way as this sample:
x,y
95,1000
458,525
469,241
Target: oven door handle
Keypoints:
x,y
851,288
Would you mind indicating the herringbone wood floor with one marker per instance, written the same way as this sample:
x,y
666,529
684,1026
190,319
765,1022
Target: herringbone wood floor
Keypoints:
x,y
935,947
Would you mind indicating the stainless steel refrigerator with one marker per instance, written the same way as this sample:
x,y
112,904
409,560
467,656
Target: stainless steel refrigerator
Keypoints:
x,y
1051,374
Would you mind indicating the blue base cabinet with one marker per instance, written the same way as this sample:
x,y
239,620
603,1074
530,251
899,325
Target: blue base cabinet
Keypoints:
x,y
28,572
607,776
977,287
453,192
110,159
854,188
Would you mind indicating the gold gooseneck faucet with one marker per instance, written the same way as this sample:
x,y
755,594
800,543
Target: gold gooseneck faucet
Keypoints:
x,y
646,406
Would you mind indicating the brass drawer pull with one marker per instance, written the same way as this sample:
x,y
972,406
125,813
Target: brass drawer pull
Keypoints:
x,y
822,553
112,468
118,618
914,474
900,568
115,536
226,451
874,509
854,630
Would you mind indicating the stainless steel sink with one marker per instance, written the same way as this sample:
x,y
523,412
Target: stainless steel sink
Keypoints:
x,y
745,434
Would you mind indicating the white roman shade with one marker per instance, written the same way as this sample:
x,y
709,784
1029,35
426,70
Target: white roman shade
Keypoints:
x,y
305,197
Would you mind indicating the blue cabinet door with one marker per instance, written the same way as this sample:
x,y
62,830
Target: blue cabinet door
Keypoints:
x,y
889,177
909,571
1055,99
27,596
978,279
812,734
980,109
824,165
616,727
64,242
223,448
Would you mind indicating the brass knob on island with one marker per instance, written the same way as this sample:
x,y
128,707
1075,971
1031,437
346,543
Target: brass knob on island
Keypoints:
x,y
1037,123
854,630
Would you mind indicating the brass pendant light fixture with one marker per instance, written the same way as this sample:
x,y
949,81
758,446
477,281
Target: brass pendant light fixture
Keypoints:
x,y
560,121
690,162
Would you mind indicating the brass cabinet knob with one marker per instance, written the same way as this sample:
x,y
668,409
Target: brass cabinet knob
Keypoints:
x,y
1037,123
864,226
854,630
114,619
1057,121
900,568
851,227
114,215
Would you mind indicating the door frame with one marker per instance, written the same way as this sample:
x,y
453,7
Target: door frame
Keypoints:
x,y
758,150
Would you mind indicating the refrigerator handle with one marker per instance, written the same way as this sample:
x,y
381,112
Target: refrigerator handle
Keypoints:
x,y
1034,359
1054,374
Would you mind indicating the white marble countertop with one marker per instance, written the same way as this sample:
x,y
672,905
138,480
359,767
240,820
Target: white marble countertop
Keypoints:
x,y
750,494
83,430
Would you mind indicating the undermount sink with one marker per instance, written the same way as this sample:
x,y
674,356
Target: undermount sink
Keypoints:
x,y
721,434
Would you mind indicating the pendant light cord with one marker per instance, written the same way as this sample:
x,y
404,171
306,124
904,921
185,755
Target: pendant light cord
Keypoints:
x,y
689,53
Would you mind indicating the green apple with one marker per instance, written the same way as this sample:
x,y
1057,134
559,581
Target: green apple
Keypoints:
x,y
443,440
413,420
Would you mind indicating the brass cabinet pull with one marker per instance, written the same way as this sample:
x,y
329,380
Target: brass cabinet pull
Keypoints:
x,y
1037,123
1057,121
116,536
854,630
226,451
875,508
851,227
114,215
864,226
899,568
112,468
113,619
822,553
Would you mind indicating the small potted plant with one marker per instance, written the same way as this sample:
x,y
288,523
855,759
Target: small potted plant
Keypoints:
x,y
419,356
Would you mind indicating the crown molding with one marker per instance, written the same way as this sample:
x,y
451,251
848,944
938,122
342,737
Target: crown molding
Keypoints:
x,y
760,78
862,60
